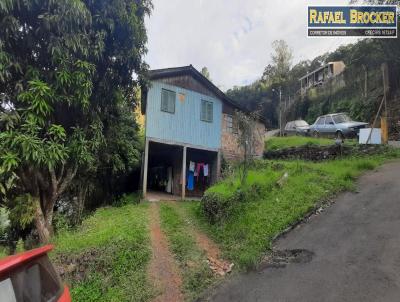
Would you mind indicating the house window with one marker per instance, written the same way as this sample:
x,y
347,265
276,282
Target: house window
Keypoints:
x,y
206,113
229,124
168,101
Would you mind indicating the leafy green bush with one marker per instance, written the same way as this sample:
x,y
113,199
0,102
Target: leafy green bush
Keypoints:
x,y
60,222
217,207
125,199
22,211
4,222
222,200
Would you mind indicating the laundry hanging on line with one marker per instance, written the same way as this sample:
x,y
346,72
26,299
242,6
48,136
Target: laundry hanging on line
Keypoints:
x,y
205,170
199,166
190,180
196,173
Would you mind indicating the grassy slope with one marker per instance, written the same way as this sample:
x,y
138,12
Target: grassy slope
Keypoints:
x,y
119,236
3,252
248,233
196,274
275,143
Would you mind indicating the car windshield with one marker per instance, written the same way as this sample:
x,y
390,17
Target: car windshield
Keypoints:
x,y
341,118
301,123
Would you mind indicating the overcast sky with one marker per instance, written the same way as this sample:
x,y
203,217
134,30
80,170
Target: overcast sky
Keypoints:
x,y
231,37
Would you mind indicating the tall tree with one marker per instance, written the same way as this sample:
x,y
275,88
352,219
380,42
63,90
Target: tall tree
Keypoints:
x,y
66,69
278,71
205,72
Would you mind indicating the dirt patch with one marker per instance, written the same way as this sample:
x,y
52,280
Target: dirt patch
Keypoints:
x,y
210,248
76,267
280,258
218,265
163,269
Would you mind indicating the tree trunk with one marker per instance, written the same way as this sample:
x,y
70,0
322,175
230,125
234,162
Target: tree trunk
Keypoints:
x,y
42,225
49,185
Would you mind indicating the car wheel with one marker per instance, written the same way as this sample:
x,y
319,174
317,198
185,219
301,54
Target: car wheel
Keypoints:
x,y
339,135
315,134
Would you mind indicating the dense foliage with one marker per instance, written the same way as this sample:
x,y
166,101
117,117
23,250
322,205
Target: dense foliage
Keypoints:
x,y
67,94
360,96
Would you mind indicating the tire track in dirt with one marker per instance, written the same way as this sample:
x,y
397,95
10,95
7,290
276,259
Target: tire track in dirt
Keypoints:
x,y
163,270
211,249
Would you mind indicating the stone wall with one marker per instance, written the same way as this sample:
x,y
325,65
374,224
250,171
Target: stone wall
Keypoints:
x,y
319,153
230,147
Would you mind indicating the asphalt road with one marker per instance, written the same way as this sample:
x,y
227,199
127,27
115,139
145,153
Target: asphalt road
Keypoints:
x,y
356,246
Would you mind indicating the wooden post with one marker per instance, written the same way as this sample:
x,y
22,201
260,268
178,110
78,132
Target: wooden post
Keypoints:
x,y
384,130
184,172
141,172
375,119
218,174
384,125
145,167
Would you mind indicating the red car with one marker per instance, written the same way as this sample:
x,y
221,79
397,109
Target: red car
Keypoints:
x,y
30,277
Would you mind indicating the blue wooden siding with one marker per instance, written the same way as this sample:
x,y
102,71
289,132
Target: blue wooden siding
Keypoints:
x,y
183,126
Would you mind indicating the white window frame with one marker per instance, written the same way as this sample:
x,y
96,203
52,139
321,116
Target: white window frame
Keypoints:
x,y
206,115
171,101
230,126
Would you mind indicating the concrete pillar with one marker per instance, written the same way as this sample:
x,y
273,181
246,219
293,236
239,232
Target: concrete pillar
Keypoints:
x,y
145,167
184,172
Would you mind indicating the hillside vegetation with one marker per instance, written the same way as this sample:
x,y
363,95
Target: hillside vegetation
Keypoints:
x,y
359,94
112,246
107,257
244,220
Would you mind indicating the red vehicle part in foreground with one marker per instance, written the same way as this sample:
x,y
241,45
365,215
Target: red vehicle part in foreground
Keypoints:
x,y
30,277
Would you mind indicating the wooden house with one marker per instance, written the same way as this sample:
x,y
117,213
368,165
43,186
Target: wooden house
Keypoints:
x,y
189,126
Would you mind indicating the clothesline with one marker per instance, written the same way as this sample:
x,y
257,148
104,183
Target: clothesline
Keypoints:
x,y
195,170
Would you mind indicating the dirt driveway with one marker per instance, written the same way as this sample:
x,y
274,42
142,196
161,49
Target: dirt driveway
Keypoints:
x,y
350,252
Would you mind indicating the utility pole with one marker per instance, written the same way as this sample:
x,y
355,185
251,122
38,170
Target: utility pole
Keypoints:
x,y
384,125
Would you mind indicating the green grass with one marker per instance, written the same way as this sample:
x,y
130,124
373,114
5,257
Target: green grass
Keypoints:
x,y
248,232
3,251
275,143
192,261
118,239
